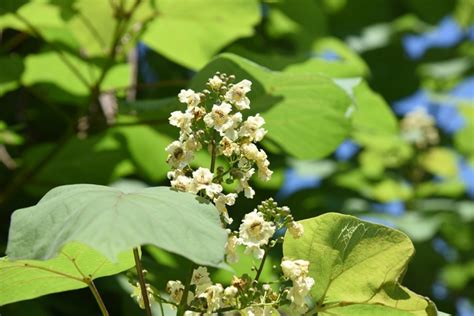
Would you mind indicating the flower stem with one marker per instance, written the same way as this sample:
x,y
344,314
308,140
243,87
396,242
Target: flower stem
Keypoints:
x,y
262,263
141,281
184,299
97,297
213,154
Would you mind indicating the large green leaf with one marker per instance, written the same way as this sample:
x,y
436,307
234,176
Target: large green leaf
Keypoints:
x,y
356,262
191,32
305,114
312,60
103,153
26,279
112,221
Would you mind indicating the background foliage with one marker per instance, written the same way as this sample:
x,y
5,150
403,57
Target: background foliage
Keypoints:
x,y
86,88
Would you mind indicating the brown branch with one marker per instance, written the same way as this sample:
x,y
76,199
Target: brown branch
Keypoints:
x,y
141,281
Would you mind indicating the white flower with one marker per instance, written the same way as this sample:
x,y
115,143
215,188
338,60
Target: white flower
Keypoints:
x,y
232,132
297,293
202,177
178,156
250,151
183,183
231,249
213,190
255,232
182,121
221,201
227,146
219,117
189,97
296,229
213,295
244,185
201,279
231,291
175,289
293,269
215,82
137,295
192,144
252,128
264,172
197,112
259,311
237,94
297,271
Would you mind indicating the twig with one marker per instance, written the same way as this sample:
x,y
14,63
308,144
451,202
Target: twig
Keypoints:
x,y
262,263
141,281
98,298
184,299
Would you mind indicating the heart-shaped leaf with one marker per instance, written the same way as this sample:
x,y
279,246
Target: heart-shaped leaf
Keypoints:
x,y
111,221
357,267
73,269
305,113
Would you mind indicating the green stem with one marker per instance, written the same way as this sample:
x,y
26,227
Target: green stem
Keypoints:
x,y
97,297
141,281
184,300
262,263
213,154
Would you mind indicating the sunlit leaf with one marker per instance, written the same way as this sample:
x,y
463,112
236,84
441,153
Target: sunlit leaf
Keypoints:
x,y
358,267
26,279
200,28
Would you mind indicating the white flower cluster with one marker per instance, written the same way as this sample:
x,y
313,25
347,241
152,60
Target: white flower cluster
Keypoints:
x,y
418,127
205,295
258,227
297,271
213,120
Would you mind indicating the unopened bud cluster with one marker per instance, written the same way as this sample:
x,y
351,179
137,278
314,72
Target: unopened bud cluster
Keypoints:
x,y
213,121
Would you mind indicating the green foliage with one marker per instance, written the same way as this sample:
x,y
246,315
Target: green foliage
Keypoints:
x,y
73,268
86,90
290,103
112,221
200,28
12,67
102,152
358,267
